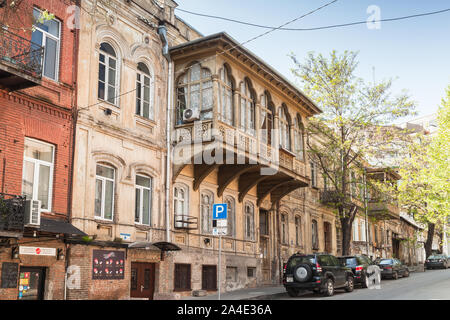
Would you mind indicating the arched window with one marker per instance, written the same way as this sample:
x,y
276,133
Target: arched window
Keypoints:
x,y
249,221
231,209
247,108
143,200
195,91
284,229
226,96
180,205
298,228
285,139
144,92
315,235
266,118
104,192
298,138
107,74
207,200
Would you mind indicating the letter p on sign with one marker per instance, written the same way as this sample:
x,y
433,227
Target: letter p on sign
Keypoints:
x,y
219,211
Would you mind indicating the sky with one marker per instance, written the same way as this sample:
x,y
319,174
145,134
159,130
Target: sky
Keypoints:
x,y
414,52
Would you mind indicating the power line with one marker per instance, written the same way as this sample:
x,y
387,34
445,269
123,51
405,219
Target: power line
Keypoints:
x,y
261,35
316,28
224,51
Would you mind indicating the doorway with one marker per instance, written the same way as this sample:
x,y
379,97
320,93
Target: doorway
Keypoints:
x,y
142,280
209,278
31,283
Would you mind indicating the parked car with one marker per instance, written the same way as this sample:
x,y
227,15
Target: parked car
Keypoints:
x,y
363,268
437,261
319,272
393,268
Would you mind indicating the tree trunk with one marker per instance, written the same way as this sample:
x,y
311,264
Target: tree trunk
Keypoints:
x,y
429,242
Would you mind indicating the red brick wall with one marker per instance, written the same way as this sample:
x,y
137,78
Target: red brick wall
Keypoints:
x,y
81,256
55,269
41,112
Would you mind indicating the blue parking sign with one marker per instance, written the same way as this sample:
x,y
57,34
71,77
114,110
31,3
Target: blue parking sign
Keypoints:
x,y
219,211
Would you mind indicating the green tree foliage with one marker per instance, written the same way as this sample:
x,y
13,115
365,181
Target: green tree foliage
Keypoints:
x,y
352,126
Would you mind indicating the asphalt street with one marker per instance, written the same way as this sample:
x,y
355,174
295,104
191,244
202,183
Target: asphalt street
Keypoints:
x,y
429,285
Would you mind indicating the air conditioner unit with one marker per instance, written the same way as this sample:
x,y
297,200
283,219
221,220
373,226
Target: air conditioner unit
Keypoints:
x,y
33,213
190,115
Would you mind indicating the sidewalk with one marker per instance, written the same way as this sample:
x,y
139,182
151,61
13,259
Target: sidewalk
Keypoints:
x,y
259,293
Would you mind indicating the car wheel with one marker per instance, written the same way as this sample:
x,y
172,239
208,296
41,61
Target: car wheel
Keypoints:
x,y
329,288
406,274
292,292
350,284
395,275
365,282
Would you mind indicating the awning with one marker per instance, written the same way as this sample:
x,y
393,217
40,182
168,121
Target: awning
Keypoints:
x,y
58,226
163,246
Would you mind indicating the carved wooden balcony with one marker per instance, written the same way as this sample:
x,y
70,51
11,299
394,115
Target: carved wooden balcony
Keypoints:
x,y
20,62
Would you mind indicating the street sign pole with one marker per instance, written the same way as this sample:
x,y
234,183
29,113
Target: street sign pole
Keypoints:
x,y
220,254
219,227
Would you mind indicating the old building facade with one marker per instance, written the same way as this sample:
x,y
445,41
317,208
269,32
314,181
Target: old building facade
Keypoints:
x,y
37,94
120,153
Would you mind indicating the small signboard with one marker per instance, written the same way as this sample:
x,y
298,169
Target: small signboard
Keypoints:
x,y
125,236
108,265
219,231
37,251
219,211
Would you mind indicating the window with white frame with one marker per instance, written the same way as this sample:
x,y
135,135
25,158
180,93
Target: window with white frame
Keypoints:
x,y
247,108
48,35
195,91
298,137
104,191
249,221
231,209
108,74
266,118
180,205
226,96
143,200
355,230
144,92
207,201
37,177
285,138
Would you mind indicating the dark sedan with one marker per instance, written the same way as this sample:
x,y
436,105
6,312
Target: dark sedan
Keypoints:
x,y
437,261
393,268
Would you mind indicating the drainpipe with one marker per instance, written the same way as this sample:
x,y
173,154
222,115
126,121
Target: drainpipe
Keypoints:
x,y
162,31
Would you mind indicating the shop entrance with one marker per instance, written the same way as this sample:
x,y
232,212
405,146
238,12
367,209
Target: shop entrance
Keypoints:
x,y
31,283
142,280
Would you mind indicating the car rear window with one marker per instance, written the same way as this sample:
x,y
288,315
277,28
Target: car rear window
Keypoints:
x,y
436,257
386,261
351,261
299,260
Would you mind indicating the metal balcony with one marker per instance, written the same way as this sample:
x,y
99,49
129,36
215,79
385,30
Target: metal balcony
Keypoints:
x,y
12,213
20,62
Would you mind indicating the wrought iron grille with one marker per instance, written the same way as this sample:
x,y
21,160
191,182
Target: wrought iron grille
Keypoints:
x,y
12,212
25,55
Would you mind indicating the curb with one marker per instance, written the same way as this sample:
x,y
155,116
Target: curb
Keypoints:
x,y
267,296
